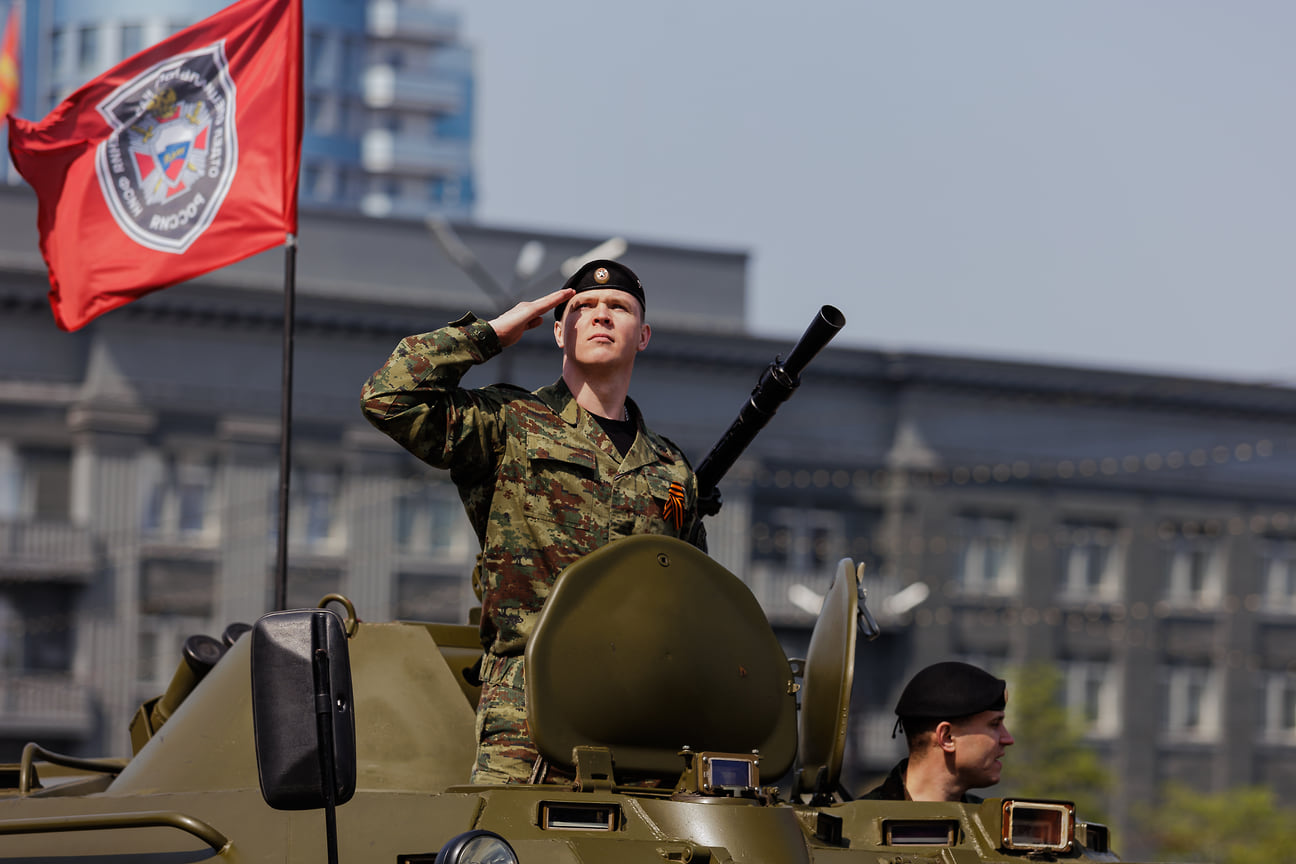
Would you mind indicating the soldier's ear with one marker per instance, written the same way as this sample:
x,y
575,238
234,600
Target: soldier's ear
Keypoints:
x,y
943,735
645,333
558,332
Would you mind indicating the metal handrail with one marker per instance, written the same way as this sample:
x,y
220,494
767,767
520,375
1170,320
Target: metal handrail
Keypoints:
x,y
27,768
113,821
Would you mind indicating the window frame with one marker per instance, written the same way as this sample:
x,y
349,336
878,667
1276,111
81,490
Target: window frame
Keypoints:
x,y
1193,709
1084,537
978,533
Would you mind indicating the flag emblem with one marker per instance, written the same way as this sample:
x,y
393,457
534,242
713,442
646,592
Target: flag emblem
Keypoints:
x,y
173,152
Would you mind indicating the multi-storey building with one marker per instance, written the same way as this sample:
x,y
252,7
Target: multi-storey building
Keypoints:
x,y
1136,531
388,90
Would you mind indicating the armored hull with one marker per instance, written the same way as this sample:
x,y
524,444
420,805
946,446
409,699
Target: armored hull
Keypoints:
x,y
655,685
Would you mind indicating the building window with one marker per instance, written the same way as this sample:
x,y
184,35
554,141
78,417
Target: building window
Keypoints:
x,y
58,50
987,563
317,66
11,634
426,522
321,114
352,58
799,540
1089,561
35,628
132,39
1278,574
310,182
425,597
10,482
1279,707
177,587
179,500
315,522
87,48
45,484
146,656
394,58
450,192
1091,695
1195,568
308,585
1192,703
350,183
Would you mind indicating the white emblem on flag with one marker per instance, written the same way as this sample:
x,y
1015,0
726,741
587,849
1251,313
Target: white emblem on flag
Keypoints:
x,y
171,157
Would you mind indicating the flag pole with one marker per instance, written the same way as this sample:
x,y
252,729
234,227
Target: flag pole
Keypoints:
x,y
294,100
285,422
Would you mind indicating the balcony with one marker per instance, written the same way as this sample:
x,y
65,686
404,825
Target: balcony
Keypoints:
x,y
381,152
46,551
385,87
46,705
393,19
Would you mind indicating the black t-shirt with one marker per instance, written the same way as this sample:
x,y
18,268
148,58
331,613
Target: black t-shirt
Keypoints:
x,y
622,432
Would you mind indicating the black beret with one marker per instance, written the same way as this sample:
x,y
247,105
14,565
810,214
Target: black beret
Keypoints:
x,y
604,273
949,690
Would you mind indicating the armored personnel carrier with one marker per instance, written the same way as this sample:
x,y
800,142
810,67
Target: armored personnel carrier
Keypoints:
x,y
655,684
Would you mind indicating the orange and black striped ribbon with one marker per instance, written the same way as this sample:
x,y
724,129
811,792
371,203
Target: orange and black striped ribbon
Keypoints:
x,y
673,512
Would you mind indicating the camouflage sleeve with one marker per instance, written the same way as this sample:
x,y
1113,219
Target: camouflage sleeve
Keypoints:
x,y
415,398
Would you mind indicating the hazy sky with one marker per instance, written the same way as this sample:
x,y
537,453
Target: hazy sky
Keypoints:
x,y
1109,183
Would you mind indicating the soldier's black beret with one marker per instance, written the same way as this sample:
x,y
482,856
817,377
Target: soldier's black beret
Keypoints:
x,y
949,690
604,273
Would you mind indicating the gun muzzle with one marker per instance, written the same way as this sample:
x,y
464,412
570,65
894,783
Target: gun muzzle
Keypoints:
x,y
774,388
200,654
821,330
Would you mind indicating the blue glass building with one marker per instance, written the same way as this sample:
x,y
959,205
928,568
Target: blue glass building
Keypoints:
x,y
388,91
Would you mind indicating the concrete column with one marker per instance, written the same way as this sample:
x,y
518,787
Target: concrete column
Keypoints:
x,y
106,498
370,512
1033,640
372,483
249,476
1235,641
919,528
1136,781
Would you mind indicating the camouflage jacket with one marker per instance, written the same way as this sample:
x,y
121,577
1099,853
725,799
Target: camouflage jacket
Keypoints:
x,y
541,482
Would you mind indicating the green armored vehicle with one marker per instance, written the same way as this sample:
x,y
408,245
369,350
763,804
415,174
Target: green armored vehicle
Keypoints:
x,y
654,682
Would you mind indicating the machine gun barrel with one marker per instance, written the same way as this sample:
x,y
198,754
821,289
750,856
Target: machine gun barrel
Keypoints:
x,y
774,388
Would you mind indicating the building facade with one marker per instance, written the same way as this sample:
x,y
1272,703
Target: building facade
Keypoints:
x,y
1137,532
388,91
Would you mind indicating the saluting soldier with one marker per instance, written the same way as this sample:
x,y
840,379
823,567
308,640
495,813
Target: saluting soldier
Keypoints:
x,y
545,476
952,715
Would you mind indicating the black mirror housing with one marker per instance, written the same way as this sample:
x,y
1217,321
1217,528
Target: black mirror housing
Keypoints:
x,y
302,716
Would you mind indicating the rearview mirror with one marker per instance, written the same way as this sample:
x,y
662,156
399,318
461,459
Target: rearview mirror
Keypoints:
x,y
301,710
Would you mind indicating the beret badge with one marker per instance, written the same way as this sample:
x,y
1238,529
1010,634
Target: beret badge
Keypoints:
x,y
603,273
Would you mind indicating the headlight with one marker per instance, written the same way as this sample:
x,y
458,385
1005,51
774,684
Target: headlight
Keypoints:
x,y
477,847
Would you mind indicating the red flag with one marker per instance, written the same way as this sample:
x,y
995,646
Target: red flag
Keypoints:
x,y
179,160
9,63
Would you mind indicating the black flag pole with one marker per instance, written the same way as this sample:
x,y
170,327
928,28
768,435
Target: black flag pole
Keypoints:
x,y
289,316
285,423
